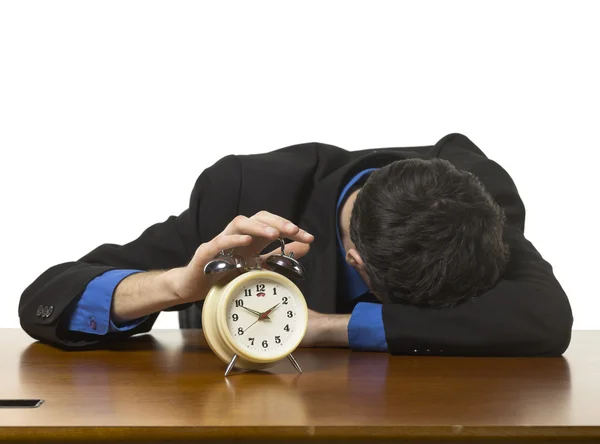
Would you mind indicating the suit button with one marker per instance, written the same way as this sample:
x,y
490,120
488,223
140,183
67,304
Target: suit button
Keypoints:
x,y
50,310
39,311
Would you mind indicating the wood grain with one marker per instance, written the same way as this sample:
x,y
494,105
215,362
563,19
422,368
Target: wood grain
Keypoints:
x,y
168,386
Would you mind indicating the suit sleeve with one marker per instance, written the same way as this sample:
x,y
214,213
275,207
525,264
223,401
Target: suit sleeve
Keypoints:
x,y
47,304
526,314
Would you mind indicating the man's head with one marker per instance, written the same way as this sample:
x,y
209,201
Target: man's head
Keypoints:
x,y
423,232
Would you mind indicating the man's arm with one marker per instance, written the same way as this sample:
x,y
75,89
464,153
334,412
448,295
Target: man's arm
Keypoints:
x,y
62,286
174,255
362,330
163,246
526,314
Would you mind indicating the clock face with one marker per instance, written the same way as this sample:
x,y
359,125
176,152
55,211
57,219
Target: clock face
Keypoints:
x,y
266,319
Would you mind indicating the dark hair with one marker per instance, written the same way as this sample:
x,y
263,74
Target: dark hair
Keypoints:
x,y
429,234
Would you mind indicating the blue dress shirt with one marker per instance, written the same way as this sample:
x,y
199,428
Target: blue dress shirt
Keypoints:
x,y
365,330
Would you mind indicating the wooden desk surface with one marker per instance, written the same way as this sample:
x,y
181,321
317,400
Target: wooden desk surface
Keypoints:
x,y
168,386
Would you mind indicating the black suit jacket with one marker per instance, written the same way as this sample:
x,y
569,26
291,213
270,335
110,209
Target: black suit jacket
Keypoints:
x,y
526,313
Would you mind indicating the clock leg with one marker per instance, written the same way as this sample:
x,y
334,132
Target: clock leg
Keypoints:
x,y
231,364
294,363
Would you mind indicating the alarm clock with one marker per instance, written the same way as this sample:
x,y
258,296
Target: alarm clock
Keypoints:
x,y
254,320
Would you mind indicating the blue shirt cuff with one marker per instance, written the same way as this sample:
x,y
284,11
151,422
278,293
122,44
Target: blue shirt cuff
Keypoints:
x,y
365,329
92,312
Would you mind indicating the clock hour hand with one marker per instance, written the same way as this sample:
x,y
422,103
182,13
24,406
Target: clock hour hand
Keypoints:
x,y
265,315
254,312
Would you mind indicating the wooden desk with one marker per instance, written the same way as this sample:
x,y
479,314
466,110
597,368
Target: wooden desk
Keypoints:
x,y
168,387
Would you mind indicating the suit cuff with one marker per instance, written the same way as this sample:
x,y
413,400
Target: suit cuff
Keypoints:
x,y
92,312
365,329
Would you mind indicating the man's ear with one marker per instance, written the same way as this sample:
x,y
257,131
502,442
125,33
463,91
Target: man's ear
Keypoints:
x,y
355,260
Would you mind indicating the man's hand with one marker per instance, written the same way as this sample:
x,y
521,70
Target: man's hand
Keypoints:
x,y
141,294
326,330
248,236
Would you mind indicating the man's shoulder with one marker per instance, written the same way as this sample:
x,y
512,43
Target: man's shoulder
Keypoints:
x,y
458,142
307,151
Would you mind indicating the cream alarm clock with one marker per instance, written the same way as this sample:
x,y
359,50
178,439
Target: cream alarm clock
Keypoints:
x,y
259,317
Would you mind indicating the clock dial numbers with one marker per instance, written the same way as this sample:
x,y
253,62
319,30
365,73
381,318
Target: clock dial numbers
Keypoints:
x,y
262,318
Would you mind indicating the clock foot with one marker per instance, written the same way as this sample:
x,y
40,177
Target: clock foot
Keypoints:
x,y
231,364
294,363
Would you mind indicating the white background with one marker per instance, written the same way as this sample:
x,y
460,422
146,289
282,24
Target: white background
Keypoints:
x,y
109,110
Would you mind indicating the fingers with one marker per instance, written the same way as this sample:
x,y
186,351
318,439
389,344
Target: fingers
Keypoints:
x,y
299,248
269,226
286,228
253,227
